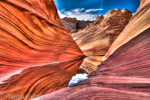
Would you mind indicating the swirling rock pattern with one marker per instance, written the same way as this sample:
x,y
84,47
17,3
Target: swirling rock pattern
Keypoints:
x,y
125,72
96,39
138,23
37,53
90,63
123,76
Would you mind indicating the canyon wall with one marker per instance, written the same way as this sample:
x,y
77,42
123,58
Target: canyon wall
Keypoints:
x,y
125,70
96,39
37,53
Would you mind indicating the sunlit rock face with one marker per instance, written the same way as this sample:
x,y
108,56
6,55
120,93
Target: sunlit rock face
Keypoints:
x,y
98,20
37,53
90,63
125,72
96,39
138,23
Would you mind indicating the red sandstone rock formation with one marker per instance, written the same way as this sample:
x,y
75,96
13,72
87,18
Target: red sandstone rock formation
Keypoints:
x,y
90,63
95,39
98,20
125,73
37,53
136,27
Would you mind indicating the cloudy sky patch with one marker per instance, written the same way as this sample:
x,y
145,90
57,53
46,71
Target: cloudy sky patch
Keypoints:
x,y
80,13
78,78
90,9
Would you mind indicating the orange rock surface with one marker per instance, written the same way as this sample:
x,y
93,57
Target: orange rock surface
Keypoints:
x,y
125,72
96,39
138,23
37,53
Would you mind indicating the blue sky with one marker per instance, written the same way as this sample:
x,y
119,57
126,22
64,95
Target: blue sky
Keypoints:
x,y
90,9
78,78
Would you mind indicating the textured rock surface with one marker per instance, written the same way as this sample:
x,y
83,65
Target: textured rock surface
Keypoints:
x,y
90,63
98,20
138,23
124,75
95,39
35,48
69,23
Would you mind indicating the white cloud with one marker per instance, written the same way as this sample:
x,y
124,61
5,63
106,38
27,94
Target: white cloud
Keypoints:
x,y
77,78
79,13
61,14
78,10
90,10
